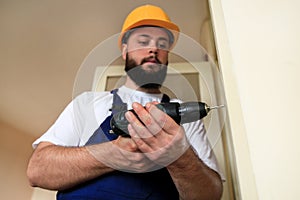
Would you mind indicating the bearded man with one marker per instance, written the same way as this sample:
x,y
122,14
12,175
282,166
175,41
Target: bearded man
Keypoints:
x,y
161,160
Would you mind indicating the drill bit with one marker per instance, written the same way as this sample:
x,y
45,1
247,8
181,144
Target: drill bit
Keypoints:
x,y
216,107
209,108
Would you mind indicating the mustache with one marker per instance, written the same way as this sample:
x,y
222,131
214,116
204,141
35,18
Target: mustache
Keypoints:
x,y
150,58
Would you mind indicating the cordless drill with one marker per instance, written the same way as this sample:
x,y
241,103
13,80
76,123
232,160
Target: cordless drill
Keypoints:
x,y
181,113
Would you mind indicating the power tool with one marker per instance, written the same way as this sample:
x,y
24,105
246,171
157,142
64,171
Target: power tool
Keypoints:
x,y
181,113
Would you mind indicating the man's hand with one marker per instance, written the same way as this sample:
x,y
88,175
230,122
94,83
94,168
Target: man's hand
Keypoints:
x,y
164,142
156,141
122,154
156,134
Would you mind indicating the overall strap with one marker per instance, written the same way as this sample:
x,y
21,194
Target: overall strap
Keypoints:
x,y
102,134
117,105
165,98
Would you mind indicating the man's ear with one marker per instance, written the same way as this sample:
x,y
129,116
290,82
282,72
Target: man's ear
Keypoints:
x,y
124,51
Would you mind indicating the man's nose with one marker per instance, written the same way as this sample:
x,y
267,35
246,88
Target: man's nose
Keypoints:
x,y
153,49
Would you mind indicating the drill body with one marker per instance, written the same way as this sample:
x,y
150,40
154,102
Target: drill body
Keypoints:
x,y
181,113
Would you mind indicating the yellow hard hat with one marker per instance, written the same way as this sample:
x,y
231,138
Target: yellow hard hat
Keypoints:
x,y
148,15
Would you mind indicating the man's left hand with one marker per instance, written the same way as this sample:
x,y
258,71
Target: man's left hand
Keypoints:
x,y
156,134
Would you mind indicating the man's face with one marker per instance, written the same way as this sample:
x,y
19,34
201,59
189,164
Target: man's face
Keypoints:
x,y
146,55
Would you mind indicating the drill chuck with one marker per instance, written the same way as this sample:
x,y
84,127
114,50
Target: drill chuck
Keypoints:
x,y
181,113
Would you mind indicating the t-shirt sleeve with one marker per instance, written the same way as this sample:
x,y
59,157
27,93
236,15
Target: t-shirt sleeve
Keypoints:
x,y
197,137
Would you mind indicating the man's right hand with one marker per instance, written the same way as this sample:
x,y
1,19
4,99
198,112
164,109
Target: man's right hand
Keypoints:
x,y
122,154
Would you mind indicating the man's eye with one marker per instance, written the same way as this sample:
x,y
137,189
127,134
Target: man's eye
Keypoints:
x,y
143,43
163,46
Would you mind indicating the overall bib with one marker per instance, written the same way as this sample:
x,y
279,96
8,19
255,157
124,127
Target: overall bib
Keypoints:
x,y
118,185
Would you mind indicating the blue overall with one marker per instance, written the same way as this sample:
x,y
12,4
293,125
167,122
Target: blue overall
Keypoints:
x,y
118,185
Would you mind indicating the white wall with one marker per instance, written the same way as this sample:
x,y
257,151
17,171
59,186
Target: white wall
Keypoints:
x,y
259,48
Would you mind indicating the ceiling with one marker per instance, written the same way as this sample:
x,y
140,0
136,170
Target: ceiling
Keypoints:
x,y
44,43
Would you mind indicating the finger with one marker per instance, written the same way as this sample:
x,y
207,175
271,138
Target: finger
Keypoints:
x,y
154,102
162,119
147,119
126,144
140,142
150,137
141,135
140,129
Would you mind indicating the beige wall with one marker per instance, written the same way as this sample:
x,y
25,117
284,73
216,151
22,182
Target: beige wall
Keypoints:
x,y
258,45
15,149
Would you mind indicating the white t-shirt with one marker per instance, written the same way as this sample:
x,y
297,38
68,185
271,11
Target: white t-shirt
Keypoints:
x,y
77,123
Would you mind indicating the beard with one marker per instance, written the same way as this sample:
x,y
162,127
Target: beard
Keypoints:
x,y
146,79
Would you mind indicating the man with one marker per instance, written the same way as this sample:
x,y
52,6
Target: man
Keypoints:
x,y
161,160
